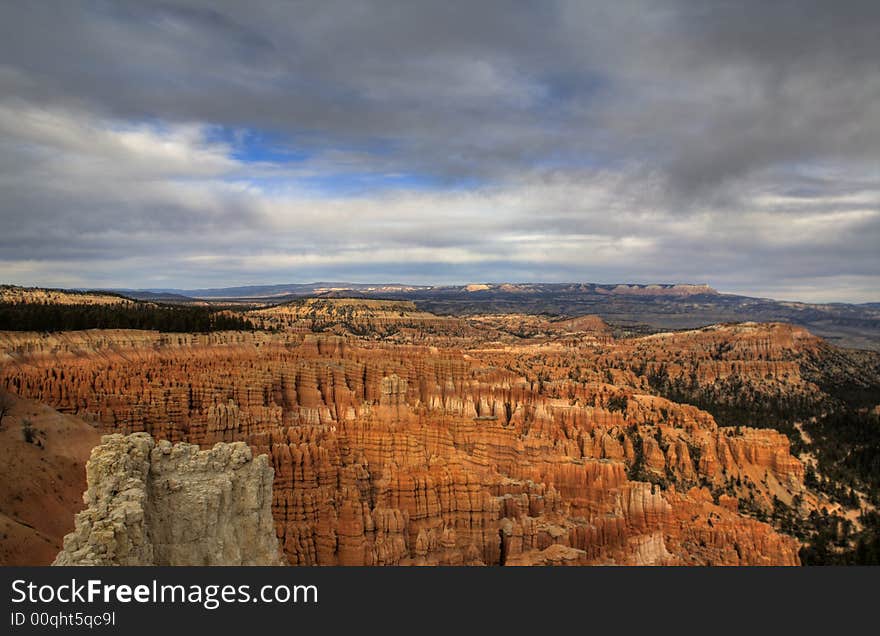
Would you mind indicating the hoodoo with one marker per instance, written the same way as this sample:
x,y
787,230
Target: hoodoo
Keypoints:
x,y
152,503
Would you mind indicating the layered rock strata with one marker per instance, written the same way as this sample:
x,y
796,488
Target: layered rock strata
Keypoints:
x,y
451,452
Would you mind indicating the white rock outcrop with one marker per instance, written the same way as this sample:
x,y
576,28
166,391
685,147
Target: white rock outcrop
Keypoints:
x,y
154,503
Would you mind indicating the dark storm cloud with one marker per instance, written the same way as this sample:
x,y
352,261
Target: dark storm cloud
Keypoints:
x,y
574,140
705,90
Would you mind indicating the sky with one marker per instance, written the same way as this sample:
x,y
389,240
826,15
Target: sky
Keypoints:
x,y
210,144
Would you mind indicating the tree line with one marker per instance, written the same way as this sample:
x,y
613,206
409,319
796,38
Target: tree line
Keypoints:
x,y
150,316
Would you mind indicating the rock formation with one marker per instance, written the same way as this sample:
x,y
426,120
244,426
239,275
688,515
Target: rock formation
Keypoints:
x,y
463,446
376,318
152,503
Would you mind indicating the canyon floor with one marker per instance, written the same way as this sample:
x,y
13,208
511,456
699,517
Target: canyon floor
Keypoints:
x,y
402,437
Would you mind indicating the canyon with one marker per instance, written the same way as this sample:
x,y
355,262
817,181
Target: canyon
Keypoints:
x,y
398,437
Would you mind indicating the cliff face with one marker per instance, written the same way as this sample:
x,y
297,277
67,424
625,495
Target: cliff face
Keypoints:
x,y
462,451
153,503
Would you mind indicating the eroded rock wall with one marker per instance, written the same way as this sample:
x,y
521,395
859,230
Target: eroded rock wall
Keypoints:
x,y
476,452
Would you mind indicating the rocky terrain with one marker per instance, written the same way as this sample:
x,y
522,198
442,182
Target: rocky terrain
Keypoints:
x,y
400,437
153,503
369,318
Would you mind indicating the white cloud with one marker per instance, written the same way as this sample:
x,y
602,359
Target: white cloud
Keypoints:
x,y
76,144
111,203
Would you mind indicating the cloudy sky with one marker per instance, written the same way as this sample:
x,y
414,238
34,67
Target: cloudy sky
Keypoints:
x,y
195,144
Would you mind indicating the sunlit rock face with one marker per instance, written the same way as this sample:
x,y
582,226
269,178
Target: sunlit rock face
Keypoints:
x,y
462,449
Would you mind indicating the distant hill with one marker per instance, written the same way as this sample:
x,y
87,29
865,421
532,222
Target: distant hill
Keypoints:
x,y
39,309
628,308
268,292
14,294
263,292
158,297
636,308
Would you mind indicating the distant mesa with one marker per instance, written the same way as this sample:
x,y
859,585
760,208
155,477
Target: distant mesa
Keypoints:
x,y
256,292
664,290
